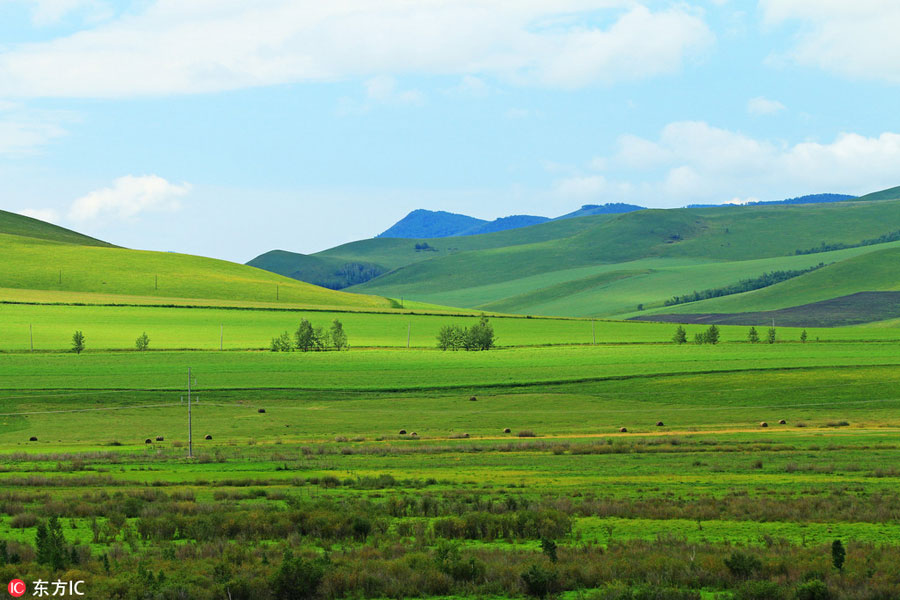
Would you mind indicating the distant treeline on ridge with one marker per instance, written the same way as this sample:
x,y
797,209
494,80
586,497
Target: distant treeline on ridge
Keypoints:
x,y
744,285
893,236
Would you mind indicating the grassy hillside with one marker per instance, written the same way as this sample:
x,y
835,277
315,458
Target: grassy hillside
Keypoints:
x,y
875,270
14,224
40,264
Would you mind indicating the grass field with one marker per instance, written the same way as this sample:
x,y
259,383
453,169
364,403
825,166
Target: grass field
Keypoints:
x,y
461,507
43,265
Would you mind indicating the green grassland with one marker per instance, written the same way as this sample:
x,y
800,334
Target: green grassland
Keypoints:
x,y
647,257
326,461
14,224
873,270
36,264
50,327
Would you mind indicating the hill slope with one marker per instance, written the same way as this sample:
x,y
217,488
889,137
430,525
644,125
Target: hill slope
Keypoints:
x,y
41,257
15,224
423,223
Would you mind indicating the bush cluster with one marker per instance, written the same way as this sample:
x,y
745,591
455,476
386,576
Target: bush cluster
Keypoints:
x,y
479,336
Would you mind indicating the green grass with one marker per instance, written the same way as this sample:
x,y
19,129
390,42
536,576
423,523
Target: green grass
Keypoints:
x,y
400,369
643,257
44,265
874,270
13,224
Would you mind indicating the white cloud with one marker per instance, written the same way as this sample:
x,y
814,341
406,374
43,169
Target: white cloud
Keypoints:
x,y
384,89
763,106
42,214
49,12
128,197
856,39
24,130
581,188
694,162
177,47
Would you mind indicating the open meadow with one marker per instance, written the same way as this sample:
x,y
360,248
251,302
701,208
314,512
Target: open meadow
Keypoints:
x,y
386,472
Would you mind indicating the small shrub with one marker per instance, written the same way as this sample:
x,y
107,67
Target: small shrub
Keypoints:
x,y
148,441
33,438
526,433
814,589
23,521
660,424
837,424
538,581
402,432
743,565
261,410
759,590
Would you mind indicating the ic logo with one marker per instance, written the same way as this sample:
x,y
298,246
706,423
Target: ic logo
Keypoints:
x,y
16,588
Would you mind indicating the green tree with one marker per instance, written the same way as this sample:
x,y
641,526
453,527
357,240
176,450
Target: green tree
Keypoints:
x,y
297,578
838,554
770,336
338,335
548,547
282,343
743,565
712,335
309,338
451,337
539,582
143,342
699,338
803,336
753,336
680,336
78,342
480,336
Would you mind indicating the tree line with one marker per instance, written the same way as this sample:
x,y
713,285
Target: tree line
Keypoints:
x,y
479,336
823,247
312,339
711,336
744,285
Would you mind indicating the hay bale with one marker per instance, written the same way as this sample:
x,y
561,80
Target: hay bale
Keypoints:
x,y
32,439
208,437
623,430
465,435
148,441
414,434
473,399
261,410
782,422
507,430
159,438
763,424
660,424
402,432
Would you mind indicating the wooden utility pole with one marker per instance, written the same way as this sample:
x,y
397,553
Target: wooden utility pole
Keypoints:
x,y
190,428
276,292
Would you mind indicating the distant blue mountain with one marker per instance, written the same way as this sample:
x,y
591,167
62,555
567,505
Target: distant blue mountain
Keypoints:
x,y
601,209
504,223
810,199
423,223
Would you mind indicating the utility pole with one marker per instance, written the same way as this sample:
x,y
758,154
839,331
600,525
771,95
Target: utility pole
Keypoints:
x,y
31,336
221,335
190,428
276,292
593,333
408,331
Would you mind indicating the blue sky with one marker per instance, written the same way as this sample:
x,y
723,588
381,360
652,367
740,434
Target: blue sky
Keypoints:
x,y
227,128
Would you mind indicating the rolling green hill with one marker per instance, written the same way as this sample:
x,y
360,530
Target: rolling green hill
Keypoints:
x,y
644,257
15,224
42,257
